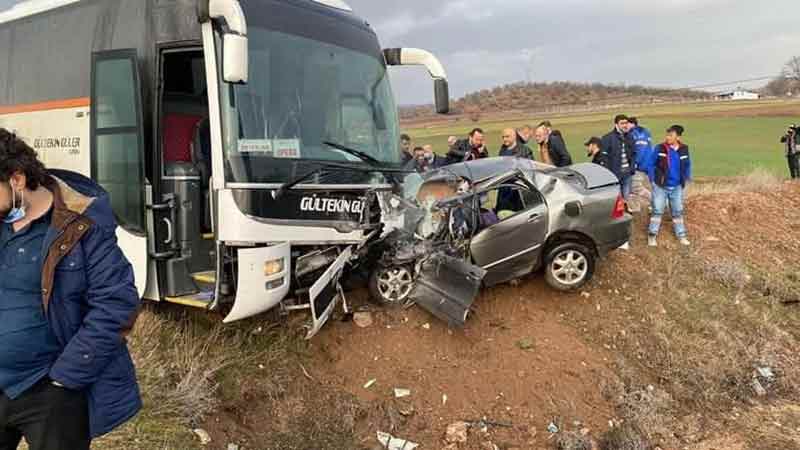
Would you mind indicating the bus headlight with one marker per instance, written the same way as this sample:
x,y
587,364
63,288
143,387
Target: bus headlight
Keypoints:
x,y
273,267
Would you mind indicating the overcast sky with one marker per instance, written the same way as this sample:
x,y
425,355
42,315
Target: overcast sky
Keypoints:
x,y
673,43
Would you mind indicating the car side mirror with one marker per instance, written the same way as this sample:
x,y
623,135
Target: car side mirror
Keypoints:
x,y
235,56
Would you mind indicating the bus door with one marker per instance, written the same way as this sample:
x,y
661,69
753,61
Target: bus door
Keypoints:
x,y
187,262
117,150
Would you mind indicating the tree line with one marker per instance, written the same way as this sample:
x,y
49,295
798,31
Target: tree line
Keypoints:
x,y
534,97
788,82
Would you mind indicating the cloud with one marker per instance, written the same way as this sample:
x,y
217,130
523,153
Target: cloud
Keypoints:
x,y
666,43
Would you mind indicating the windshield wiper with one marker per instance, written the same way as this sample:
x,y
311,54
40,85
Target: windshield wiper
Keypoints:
x,y
325,167
363,156
297,180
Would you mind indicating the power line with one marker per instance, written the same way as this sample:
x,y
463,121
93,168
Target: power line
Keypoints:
x,y
747,80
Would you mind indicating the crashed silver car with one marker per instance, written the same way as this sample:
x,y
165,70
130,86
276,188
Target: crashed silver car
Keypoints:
x,y
490,221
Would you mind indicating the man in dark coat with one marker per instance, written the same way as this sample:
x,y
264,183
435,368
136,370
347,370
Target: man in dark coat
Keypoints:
x,y
620,152
593,151
525,134
512,147
469,149
68,300
552,149
791,140
406,154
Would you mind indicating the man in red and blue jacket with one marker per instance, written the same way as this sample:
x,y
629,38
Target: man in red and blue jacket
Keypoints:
x,y
67,300
670,170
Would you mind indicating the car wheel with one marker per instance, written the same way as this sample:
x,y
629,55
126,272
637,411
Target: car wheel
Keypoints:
x,y
391,285
569,266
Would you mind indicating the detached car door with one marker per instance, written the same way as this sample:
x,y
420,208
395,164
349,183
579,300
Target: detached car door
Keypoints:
x,y
512,247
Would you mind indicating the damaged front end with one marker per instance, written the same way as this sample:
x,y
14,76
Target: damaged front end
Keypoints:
x,y
423,256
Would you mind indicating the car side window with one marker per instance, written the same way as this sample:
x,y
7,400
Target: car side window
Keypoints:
x,y
505,202
530,198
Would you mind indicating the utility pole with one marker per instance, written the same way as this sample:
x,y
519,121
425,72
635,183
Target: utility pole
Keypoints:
x,y
528,56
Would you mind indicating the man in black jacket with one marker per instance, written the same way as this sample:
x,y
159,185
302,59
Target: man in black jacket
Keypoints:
x,y
512,147
406,154
468,149
524,134
618,149
593,151
791,139
552,149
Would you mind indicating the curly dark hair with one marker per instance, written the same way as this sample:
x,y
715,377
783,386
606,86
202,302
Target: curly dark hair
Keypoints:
x,y
17,156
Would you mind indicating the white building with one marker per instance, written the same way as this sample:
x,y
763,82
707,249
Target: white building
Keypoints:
x,y
739,95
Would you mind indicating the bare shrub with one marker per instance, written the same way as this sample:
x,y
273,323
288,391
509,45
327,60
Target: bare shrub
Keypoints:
x,y
729,272
626,436
573,441
178,362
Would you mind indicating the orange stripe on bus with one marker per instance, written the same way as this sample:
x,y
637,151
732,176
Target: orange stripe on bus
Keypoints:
x,y
46,106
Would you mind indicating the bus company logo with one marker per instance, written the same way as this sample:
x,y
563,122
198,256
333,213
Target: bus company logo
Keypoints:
x,y
71,145
331,205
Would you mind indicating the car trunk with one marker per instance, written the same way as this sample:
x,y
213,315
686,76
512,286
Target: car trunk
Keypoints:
x,y
587,175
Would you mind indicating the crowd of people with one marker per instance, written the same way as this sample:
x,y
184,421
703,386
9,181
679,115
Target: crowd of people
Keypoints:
x,y
627,151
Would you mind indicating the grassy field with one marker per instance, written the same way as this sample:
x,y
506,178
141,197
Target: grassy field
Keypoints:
x,y
726,139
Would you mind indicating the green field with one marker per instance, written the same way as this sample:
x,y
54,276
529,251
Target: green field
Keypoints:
x,y
726,139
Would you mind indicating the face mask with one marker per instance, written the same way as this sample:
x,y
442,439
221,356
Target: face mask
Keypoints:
x,y
17,212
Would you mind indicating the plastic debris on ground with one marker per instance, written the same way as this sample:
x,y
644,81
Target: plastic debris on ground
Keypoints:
x,y
369,383
400,392
552,428
394,443
766,373
363,319
203,435
457,432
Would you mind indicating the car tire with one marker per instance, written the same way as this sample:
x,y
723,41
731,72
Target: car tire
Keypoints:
x,y
391,286
569,266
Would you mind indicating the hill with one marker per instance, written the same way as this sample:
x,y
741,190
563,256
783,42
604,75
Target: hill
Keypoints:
x,y
552,97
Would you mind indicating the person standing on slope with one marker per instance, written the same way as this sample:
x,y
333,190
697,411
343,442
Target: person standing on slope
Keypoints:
x,y
643,144
670,171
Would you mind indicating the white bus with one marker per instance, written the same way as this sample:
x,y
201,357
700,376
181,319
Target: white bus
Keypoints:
x,y
245,144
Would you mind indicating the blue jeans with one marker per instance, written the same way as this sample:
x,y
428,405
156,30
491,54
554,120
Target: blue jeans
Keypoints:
x,y
673,196
626,186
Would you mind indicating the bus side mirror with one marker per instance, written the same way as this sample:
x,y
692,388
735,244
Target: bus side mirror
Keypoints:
x,y
442,95
419,57
234,42
234,61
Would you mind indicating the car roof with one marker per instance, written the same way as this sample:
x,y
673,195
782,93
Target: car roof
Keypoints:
x,y
482,169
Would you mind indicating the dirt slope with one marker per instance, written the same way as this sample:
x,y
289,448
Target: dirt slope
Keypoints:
x,y
663,344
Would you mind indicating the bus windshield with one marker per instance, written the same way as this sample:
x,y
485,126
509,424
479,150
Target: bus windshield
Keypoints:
x,y
304,92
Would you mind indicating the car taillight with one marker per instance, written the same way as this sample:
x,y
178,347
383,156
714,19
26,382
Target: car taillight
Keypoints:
x,y
619,208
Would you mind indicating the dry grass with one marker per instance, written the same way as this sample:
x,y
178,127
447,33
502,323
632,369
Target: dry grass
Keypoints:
x,y
759,180
572,440
180,361
627,436
697,333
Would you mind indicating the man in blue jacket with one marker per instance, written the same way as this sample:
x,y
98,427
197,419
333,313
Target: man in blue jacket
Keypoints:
x,y
618,149
643,145
670,171
67,300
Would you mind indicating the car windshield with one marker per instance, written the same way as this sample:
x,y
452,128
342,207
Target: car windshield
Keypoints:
x,y
304,94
